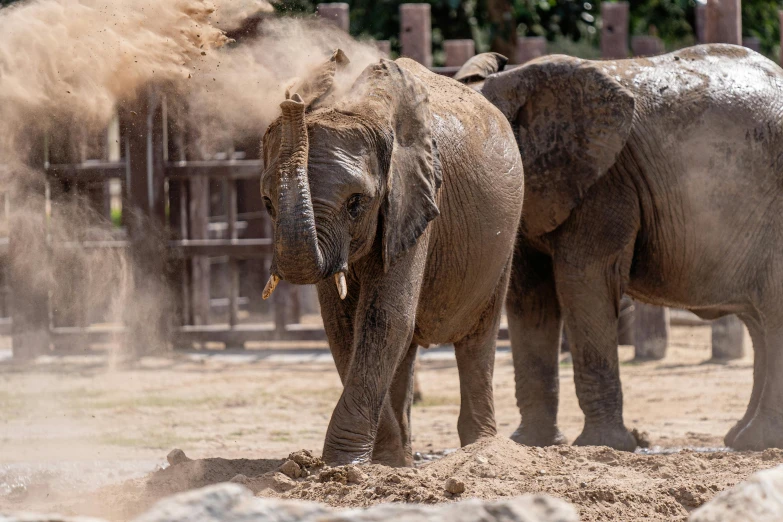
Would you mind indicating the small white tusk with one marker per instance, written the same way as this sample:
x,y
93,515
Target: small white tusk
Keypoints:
x,y
342,286
270,286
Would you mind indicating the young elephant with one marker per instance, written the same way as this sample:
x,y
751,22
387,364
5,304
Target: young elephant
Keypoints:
x,y
659,177
402,205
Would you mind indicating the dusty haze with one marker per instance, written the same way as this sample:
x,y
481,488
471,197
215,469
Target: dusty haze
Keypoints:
x,y
66,66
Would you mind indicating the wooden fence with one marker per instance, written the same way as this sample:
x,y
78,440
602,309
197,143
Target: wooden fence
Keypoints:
x,y
217,245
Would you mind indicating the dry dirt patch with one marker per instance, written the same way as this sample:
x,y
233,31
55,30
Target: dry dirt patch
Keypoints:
x,y
71,427
603,484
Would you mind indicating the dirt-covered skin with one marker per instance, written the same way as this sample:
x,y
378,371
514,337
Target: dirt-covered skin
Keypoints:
x,y
401,203
659,178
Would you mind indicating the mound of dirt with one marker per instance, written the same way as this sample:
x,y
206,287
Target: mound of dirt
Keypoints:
x,y
602,483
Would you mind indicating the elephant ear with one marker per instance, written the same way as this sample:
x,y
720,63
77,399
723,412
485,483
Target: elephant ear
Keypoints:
x,y
480,66
320,82
572,119
414,171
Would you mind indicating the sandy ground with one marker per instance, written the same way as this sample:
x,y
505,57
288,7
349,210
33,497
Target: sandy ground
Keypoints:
x,y
71,426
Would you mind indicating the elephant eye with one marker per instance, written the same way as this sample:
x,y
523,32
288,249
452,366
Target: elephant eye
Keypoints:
x,y
355,205
269,207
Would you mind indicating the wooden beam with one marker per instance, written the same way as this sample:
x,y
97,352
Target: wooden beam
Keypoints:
x,y
228,169
240,248
90,171
416,32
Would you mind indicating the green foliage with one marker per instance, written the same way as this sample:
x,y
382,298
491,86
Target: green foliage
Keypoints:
x,y
557,19
586,49
672,20
116,217
560,21
760,19
4,3
451,19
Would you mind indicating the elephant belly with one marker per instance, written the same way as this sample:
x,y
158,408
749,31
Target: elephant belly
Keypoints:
x,y
470,250
714,223
480,204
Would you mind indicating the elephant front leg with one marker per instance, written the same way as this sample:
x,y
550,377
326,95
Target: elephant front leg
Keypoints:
x,y
591,300
338,317
383,332
535,326
393,441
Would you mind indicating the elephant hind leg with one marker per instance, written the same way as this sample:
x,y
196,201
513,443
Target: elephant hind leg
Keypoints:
x,y
592,293
765,427
758,337
535,325
476,363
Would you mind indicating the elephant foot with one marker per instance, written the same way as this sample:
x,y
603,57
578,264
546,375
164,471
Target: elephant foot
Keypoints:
x,y
393,458
731,435
762,432
529,436
617,437
337,458
335,454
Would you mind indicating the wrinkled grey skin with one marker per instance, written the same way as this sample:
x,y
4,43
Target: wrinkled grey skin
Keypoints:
x,y
413,187
661,178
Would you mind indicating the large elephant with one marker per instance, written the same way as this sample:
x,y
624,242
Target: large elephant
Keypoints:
x,y
401,203
660,177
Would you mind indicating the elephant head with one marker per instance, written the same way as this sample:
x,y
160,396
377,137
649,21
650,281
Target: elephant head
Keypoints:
x,y
571,118
338,176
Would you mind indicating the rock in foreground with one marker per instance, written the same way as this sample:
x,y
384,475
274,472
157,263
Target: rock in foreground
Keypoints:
x,y
235,503
759,499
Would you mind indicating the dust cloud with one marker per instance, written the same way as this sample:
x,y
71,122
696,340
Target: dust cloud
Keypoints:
x,y
236,92
66,66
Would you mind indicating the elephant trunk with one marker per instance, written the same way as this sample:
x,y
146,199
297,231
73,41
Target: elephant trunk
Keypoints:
x,y
299,257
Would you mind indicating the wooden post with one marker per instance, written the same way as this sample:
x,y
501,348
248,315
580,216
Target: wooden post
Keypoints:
x,y
614,32
144,144
651,331
178,214
416,33
337,12
198,209
418,395
625,322
233,263
646,45
701,22
530,47
723,22
384,46
458,51
728,338
144,152
27,237
282,305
